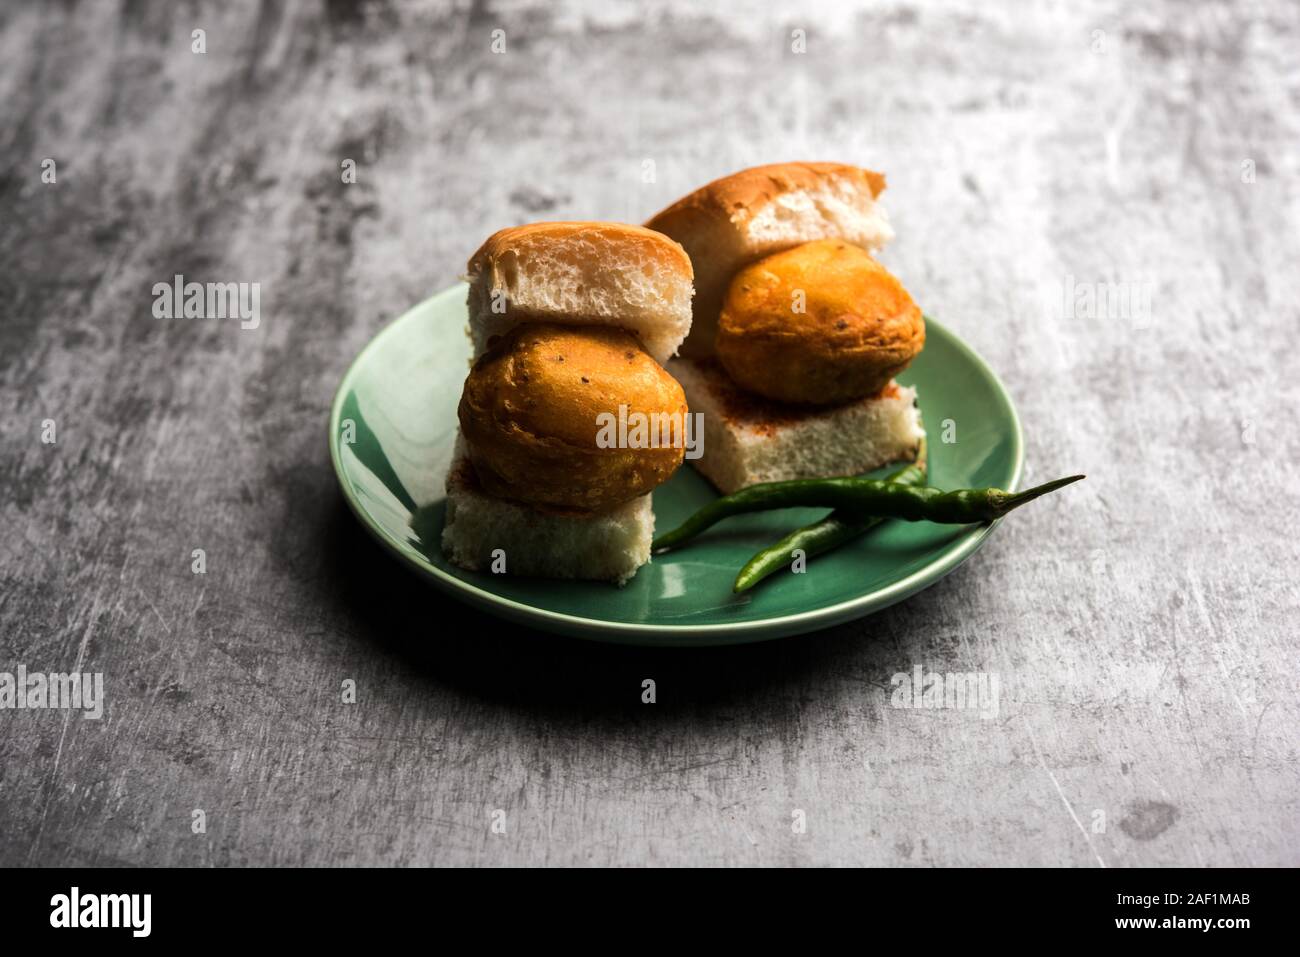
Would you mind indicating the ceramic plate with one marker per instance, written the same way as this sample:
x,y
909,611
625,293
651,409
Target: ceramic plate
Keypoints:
x,y
393,424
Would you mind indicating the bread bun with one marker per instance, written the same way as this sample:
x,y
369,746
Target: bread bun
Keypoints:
x,y
742,217
822,323
749,439
532,409
601,546
608,274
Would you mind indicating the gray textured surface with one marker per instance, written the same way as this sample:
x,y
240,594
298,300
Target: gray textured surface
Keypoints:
x,y
1144,636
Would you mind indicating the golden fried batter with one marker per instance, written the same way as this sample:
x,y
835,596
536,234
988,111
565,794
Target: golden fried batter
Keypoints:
x,y
532,408
858,327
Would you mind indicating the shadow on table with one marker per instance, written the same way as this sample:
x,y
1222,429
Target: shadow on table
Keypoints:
x,y
460,647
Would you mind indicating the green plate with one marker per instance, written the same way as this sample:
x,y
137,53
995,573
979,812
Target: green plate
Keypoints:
x,y
391,433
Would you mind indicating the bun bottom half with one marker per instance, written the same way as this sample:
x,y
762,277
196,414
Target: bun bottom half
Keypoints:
x,y
749,439
609,546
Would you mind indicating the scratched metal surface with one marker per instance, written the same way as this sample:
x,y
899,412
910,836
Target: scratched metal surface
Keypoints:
x,y
1143,627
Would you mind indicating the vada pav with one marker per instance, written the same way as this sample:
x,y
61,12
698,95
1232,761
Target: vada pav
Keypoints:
x,y
798,331
568,321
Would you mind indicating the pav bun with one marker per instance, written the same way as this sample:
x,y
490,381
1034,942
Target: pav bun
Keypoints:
x,y
820,324
748,215
531,412
582,273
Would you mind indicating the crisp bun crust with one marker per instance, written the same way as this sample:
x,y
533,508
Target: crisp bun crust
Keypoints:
x,y
739,196
534,237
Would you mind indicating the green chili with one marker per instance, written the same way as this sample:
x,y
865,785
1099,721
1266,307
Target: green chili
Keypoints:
x,y
866,497
820,537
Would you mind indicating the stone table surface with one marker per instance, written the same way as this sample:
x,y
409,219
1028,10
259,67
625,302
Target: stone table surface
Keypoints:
x,y
1101,200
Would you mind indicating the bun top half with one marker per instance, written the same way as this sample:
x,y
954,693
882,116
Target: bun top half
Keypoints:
x,y
582,273
740,218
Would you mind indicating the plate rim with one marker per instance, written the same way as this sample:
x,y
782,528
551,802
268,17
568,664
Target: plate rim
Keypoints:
x,y
600,629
